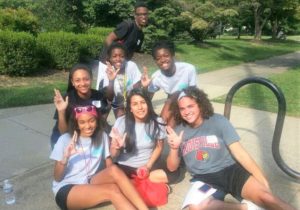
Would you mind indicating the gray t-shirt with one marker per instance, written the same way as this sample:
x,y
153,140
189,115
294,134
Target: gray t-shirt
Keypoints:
x,y
81,165
185,76
205,149
144,144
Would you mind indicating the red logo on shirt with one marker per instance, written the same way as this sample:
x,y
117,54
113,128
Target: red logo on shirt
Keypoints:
x,y
201,155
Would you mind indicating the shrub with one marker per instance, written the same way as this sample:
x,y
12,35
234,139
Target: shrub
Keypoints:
x,y
18,20
90,46
59,50
100,31
18,53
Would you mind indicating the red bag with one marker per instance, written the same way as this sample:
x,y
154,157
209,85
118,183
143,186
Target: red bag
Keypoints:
x,y
153,194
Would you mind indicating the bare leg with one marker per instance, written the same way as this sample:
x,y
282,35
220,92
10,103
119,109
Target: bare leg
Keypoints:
x,y
96,194
214,204
114,175
260,195
158,176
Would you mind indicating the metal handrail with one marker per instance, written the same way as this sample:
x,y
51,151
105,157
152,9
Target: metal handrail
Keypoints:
x,y
279,120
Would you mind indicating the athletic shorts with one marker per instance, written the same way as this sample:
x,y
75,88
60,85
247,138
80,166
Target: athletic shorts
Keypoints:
x,y
229,180
62,195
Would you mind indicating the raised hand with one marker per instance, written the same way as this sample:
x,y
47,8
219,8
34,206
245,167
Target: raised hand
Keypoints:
x,y
71,148
59,102
174,140
111,72
118,141
145,79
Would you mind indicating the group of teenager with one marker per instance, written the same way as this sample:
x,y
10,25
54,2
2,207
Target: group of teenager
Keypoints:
x,y
95,161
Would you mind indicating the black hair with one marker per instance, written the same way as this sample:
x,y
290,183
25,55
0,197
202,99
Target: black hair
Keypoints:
x,y
151,123
73,70
98,133
116,45
163,44
139,4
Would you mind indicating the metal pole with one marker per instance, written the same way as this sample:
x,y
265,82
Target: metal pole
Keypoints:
x,y
279,120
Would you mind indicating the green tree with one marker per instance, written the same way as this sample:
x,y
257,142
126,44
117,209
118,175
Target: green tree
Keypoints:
x,y
107,13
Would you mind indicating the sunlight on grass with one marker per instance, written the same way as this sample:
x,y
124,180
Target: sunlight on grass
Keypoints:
x,y
220,53
31,95
260,97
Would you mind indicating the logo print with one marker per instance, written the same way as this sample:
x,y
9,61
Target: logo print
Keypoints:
x,y
201,155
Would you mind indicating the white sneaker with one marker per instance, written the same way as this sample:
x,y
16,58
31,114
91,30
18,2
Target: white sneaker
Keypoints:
x,y
251,205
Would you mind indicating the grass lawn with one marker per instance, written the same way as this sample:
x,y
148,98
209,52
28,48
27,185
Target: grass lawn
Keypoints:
x,y
224,52
208,56
260,97
29,95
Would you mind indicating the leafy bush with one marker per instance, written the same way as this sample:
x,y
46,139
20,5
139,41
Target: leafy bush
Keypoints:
x,y
59,50
90,46
18,20
100,31
18,54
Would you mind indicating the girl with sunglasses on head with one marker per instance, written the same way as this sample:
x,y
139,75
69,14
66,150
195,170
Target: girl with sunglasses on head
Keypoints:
x,y
211,150
137,139
124,73
79,92
79,155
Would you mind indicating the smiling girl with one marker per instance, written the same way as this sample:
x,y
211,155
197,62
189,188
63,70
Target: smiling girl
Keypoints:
x,y
78,156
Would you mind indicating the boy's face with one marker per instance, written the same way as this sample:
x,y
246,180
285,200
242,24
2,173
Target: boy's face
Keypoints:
x,y
164,59
141,16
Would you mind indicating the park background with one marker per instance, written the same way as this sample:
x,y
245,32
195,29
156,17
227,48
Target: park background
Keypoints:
x,y
41,39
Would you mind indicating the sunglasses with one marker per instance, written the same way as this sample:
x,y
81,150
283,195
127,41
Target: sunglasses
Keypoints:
x,y
85,109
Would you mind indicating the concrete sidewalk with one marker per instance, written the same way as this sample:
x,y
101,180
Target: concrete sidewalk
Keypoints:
x,y
25,133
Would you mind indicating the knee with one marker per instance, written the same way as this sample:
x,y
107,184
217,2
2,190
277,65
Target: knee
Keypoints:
x,y
266,197
115,171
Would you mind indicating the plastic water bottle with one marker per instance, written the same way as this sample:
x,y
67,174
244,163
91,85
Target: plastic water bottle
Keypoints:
x,y
9,192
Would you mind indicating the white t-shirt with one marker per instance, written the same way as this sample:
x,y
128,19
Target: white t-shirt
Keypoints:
x,y
185,76
144,143
132,76
82,165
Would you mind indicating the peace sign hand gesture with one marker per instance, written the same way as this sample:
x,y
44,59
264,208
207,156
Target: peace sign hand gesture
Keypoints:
x,y
70,149
145,79
111,72
118,141
174,140
59,102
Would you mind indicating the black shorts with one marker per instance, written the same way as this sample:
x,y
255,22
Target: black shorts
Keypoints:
x,y
229,180
62,195
129,171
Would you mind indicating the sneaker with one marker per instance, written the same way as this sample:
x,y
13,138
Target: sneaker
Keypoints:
x,y
251,205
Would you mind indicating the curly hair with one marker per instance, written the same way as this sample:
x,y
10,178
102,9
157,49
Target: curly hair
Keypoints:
x,y
201,99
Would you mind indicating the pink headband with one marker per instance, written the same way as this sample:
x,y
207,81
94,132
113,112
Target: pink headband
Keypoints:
x,y
85,109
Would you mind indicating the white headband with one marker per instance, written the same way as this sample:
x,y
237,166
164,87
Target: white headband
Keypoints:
x,y
182,94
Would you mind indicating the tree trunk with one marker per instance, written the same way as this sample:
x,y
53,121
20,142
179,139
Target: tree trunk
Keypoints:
x,y
257,35
274,24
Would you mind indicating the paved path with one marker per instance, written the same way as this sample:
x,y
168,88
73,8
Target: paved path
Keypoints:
x,y
25,132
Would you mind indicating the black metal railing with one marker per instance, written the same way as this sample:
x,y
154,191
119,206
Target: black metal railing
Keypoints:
x,y
279,120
